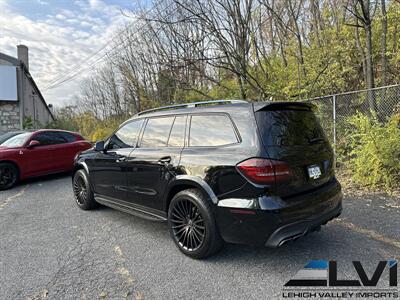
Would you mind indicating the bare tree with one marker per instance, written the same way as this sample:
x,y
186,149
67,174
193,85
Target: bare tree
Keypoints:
x,y
184,50
363,11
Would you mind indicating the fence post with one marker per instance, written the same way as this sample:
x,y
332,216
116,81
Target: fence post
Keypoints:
x,y
334,122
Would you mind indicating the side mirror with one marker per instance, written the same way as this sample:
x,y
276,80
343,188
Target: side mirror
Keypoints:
x,y
99,146
33,144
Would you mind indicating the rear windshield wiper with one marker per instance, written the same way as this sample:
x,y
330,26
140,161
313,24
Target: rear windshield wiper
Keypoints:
x,y
316,140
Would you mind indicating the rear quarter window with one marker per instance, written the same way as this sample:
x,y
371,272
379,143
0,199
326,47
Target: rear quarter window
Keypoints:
x,y
211,131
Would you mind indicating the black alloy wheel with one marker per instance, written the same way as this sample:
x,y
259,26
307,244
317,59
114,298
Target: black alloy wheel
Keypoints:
x,y
82,191
188,225
8,175
192,224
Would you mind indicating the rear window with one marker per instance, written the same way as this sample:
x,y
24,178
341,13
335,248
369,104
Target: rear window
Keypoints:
x,y
289,127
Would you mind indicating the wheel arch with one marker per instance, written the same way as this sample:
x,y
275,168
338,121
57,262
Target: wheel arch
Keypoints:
x,y
79,166
184,182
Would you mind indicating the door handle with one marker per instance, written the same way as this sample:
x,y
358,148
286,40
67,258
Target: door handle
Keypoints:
x,y
121,159
165,160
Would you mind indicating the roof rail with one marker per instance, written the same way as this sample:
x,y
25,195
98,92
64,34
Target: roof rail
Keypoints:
x,y
187,105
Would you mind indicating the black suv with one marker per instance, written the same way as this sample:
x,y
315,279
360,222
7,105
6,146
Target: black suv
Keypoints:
x,y
233,171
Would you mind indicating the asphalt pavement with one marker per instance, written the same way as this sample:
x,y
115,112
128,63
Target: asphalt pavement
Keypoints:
x,y
50,249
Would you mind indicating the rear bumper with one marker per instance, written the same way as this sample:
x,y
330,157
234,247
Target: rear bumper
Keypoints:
x,y
273,221
298,229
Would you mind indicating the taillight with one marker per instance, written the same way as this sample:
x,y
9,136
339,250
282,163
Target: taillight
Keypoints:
x,y
264,171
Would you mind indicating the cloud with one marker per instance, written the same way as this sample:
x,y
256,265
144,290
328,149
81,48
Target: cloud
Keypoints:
x,y
60,41
60,17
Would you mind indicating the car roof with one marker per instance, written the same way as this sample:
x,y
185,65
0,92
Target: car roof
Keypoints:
x,y
217,106
58,130
188,109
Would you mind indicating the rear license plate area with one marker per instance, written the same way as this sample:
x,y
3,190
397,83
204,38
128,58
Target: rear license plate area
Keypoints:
x,y
314,172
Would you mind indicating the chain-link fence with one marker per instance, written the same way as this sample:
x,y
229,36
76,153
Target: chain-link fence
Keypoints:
x,y
335,110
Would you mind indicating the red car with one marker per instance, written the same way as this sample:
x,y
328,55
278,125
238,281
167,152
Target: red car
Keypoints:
x,y
36,153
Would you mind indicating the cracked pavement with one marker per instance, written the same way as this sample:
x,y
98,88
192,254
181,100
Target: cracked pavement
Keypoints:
x,y
50,249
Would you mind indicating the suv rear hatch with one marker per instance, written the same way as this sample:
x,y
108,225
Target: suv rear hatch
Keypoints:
x,y
292,134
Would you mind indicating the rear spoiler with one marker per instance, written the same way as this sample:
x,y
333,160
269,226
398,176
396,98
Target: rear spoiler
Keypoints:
x,y
262,106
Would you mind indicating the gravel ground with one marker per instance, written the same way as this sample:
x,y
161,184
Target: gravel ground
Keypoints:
x,y
50,249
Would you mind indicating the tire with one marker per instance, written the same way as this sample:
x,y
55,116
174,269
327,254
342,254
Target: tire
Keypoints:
x,y
83,193
192,224
9,175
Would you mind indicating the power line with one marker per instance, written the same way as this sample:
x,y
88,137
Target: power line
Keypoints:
x,y
73,72
88,58
71,75
78,72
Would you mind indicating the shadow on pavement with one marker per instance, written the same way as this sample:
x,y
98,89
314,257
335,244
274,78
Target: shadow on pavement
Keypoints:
x,y
44,178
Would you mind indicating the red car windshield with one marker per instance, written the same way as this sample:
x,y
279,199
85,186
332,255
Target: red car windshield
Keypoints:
x,y
17,141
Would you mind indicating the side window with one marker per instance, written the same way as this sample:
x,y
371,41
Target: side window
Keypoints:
x,y
126,136
211,130
58,138
49,138
156,132
67,136
177,136
43,138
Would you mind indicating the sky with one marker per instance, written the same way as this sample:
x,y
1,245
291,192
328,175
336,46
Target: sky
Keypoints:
x,y
61,35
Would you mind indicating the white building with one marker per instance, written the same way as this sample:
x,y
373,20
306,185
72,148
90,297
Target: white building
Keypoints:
x,y
20,98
